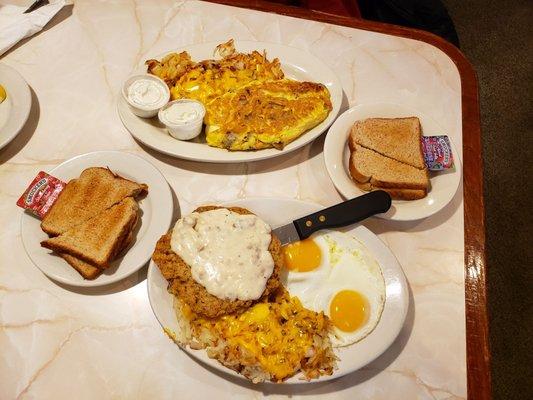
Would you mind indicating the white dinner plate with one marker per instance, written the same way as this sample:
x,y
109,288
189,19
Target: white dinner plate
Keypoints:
x,y
443,185
155,218
296,64
15,109
351,357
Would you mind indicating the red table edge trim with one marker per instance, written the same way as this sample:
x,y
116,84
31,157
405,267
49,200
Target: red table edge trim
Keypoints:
x,y
477,334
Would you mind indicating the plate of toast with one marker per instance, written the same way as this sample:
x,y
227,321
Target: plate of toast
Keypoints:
x,y
104,222
379,147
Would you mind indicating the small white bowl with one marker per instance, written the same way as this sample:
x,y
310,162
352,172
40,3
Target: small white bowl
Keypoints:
x,y
145,111
184,130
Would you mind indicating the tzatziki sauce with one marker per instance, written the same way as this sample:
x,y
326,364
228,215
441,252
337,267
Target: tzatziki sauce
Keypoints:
x,y
227,252
146,93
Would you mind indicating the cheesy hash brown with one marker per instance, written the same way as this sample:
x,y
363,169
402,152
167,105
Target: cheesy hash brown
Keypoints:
x,y
250,104
271,341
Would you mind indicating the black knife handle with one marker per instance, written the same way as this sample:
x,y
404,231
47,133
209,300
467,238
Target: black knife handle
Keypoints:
x,y
346,213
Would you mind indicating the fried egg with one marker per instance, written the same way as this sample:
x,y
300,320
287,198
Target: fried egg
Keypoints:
x,y
335,273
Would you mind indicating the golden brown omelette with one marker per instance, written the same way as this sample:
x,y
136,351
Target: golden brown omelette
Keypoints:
x,y
250,104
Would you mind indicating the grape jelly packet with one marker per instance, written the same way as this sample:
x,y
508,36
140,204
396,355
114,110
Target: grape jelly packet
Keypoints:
x,y
437,152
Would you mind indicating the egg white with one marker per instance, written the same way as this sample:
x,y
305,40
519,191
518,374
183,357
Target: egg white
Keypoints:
x,y
346,264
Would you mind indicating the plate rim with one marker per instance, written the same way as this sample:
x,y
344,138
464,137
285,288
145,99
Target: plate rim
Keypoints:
x,y
330,159
248,156
404,301
115,277
24,93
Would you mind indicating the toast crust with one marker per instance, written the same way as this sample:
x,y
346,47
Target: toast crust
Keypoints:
x,y
397,194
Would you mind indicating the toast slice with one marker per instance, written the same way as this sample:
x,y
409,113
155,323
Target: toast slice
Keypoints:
x,y
94,191
88,270
368,166
99,239
396,138
397,194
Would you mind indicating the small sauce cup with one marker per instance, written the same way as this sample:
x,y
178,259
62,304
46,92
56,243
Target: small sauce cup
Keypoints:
x,y
183,118
145,94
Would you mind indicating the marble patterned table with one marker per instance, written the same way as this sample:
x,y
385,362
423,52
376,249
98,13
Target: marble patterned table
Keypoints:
x,y
105,343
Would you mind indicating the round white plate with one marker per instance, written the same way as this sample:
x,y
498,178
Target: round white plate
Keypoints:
x,y
156,216
296,64
352,357
337,154
15,109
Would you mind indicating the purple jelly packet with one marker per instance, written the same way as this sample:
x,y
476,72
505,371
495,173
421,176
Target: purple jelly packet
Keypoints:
x,y
437,152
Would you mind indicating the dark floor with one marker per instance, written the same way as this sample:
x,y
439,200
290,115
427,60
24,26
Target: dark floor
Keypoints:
x,y
497,37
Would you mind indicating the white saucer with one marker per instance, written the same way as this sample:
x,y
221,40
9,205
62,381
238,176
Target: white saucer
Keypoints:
x,y
15,109
337,154
156,216
351,358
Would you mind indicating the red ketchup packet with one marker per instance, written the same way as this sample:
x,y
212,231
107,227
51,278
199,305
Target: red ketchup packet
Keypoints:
x,y
41,194
437,152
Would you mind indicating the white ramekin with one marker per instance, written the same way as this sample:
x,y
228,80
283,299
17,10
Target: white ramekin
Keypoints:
x,y
187,130
145,111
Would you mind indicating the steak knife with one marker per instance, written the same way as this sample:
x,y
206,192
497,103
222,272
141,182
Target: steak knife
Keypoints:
x,y
339,215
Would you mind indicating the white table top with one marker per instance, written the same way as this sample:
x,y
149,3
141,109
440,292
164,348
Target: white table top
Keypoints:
x,y
105,343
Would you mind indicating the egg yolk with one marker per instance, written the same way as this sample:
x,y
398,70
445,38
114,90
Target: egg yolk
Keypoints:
x,y
302,256
349,310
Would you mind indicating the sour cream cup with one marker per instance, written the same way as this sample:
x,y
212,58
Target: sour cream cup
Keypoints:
x,y
183,118
145,94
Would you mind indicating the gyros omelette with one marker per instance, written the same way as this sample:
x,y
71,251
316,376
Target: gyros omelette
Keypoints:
x,y
250,104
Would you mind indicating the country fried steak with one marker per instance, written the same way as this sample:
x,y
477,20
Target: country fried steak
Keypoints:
x,y
181,283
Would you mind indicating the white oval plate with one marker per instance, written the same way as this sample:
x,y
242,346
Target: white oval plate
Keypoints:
x,y
352,357
337,155
15,109
296,64
156,216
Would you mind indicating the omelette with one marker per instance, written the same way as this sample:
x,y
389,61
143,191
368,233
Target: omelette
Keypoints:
x,y
250,104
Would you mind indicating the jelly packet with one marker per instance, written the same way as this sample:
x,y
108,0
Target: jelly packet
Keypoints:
x,y
41,194
437,152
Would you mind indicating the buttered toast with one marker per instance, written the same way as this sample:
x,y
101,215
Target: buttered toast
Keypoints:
x,y
99,239
396,138
88,270
94,191
386,154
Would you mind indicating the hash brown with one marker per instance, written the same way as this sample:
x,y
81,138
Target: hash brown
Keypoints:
x,y
182,284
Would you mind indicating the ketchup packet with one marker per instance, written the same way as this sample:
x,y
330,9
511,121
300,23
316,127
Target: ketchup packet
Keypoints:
x,y
437,152
41,194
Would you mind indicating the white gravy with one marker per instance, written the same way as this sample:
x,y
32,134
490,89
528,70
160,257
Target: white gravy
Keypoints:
x,y
227,252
